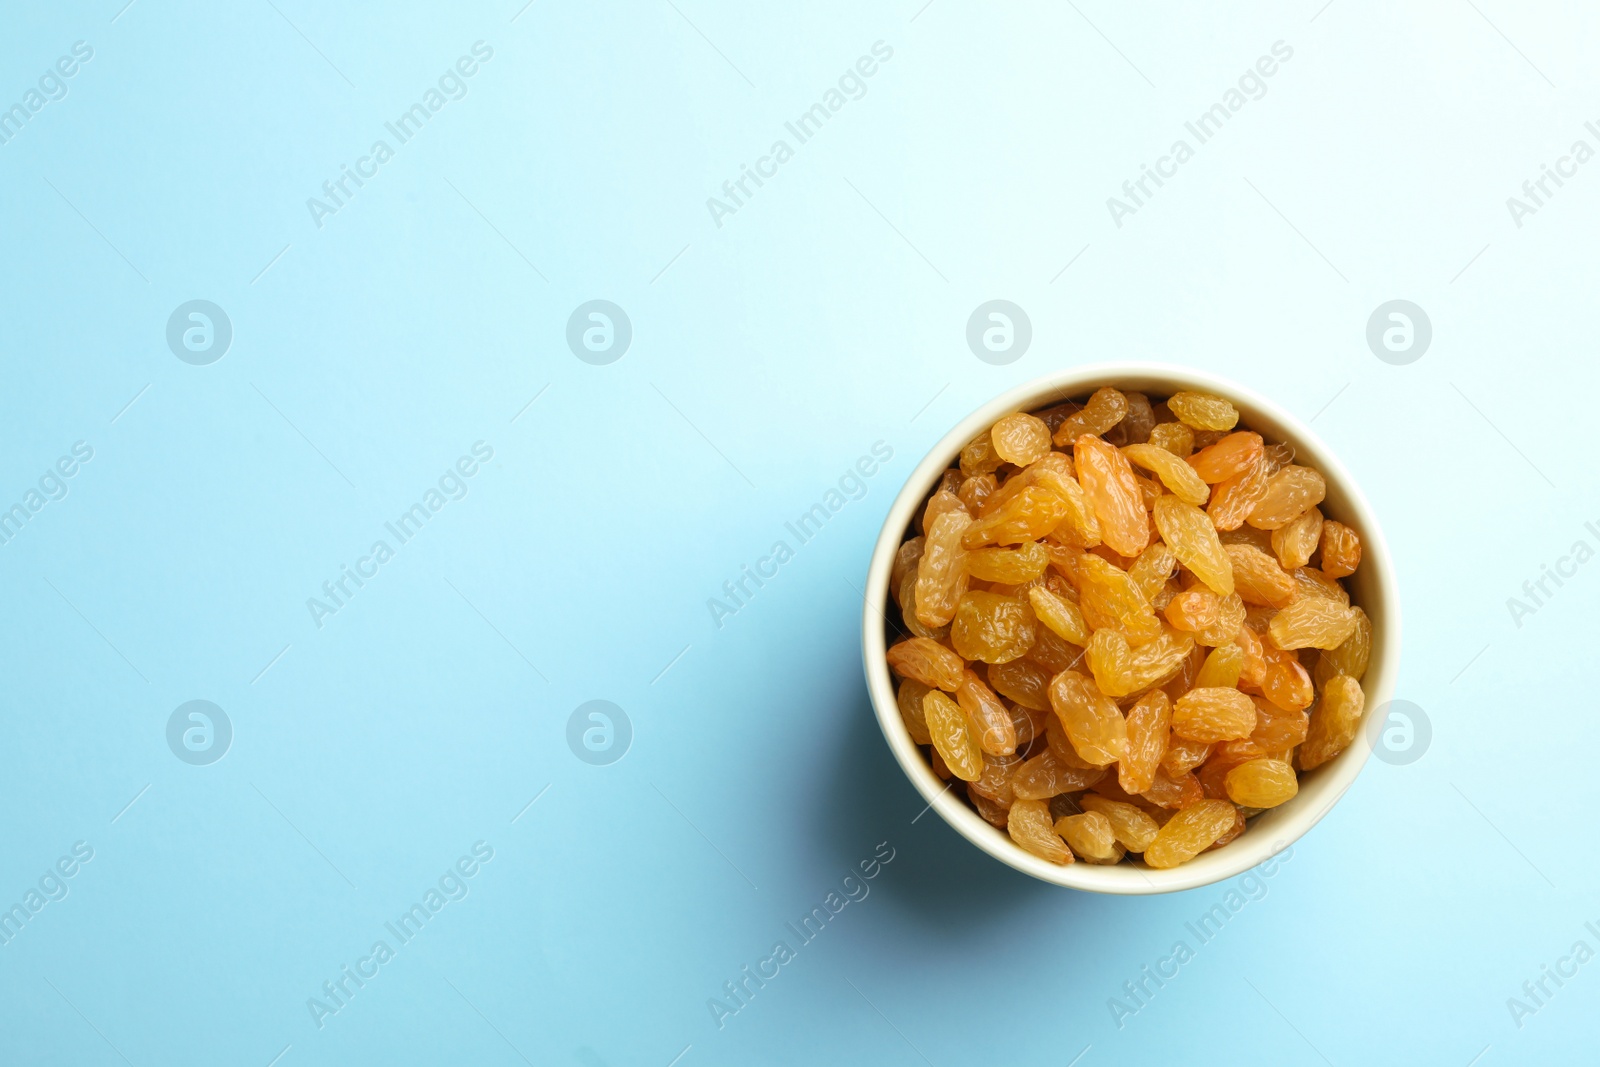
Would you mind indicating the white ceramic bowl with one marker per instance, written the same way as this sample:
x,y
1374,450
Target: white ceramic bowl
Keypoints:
x,y
1372,587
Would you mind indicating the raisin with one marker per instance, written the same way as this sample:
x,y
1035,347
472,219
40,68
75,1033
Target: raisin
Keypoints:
x,y
1349,658
940,503
1189,533
1176,474
909,698
1107,479
1028,823
1020,438
1010,565
1295,543
1063,617
979,456
1046,775
1023,682
1289,494
987,718
1203,411
1232,455
993,628
1028,516
941,572
1052,653
905,562
1312,622
1286,682
1194,610
1231,613
1139,421
976,490
928,662
1090,837
1108,597
1148,726
1175,437
1212,714
1258,578
1105,409
1221,668
1183,755
1314,582
1334,722
1261,783
1093,723
1341,550
951,736
1132,825
1232,501
1189,832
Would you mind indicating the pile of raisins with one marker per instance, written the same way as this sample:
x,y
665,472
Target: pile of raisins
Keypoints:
x,y
1128,627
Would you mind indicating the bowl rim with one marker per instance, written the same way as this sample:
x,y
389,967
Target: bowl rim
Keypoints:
x,y
1320,789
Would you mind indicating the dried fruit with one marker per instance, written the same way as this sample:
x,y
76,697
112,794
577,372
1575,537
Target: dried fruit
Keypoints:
x,y
1341,550
1010,565
1176,474
1189,832
1090,836
1131,825
1049,582
1093,722
1261,783
941,572
1295,543
1221,668
1233,500
987,718
1334,722
928,662
1148,726
1203,411
1109,598
1312,622
1105,409
1194,610
1213,714
1188,532
1020,438
1063,617
1175,437
1107,479
1233,454
1029,825
909,698
1028,516
1349,658
1289,494
947,725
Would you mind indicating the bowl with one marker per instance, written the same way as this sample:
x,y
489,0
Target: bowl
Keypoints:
x,y
1372,587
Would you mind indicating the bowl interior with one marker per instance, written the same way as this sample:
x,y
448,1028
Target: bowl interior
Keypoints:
x,y
1372,587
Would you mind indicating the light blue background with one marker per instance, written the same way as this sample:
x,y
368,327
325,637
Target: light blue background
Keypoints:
x,y
768,354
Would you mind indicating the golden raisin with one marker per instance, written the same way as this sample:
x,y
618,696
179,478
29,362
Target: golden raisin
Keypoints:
x,y
1261,783
1149,727
987,717
1289,494
1213,714
1108,481
1020,438
909,698
1203,411
941,572
1258,578
1189,533
1010,565
1175,437
1090,836
1294,544
1341,550
1132,826
1334,722
1312,622
1176,474
1092,721
928,662
1189,832
952,737
1233,454
1105,409
1029,825
993,628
